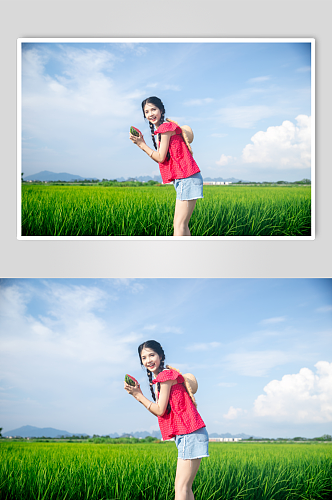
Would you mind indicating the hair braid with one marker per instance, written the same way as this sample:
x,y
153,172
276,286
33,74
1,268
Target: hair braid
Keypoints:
x,y
162,120
149,374
152,134
162,368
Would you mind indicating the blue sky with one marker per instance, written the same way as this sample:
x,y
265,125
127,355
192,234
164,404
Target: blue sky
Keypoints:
x,y
249,105
260,349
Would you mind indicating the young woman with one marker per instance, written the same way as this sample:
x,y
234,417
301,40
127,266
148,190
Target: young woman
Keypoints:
x,y
178,417
176,162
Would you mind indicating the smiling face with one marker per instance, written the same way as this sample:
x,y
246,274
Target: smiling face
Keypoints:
x,y
151,360
153,114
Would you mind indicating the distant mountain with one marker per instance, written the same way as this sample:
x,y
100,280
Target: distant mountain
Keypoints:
x,y
143,434
141,178
228,435
220,179
46,175
157,178
50,432
146,178
157,434
30,431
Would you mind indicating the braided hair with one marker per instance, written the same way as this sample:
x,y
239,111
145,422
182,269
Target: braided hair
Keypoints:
x,y
156,347
158,103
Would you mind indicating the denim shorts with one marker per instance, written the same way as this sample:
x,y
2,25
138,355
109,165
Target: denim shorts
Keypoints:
x,y
189,188
193,445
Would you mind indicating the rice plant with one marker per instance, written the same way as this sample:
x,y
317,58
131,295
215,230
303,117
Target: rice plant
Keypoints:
x,y
149,211
234,471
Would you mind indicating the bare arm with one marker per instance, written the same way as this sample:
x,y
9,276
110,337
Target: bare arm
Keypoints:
x,y
157,156
158,408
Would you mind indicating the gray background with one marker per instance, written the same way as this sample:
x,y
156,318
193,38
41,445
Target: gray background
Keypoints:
x,y
172,18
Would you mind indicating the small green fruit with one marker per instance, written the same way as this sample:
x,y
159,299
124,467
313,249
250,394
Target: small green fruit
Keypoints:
x,y
130,380
135,131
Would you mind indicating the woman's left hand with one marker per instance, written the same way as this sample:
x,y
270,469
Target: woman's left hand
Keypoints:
x,y
137,140
133,390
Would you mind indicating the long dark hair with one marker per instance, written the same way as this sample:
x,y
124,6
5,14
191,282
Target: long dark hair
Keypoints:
x,y
156,347
157,102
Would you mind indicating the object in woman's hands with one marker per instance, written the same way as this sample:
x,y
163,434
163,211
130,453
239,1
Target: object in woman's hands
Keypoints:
x,y
130,380
135,131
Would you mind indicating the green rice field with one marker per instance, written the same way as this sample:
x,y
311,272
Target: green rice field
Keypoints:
x,y
255,471
148,211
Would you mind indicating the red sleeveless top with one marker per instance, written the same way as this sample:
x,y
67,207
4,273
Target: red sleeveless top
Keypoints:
x,y
181,163
183,417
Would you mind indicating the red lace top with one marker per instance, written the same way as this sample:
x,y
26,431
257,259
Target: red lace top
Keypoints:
x,y
181,163
183,417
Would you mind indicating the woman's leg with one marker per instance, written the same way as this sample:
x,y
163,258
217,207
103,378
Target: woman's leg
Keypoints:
x,y
185,474
182,214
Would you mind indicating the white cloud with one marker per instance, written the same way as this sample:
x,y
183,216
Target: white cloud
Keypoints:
x,y
198,102
233,413
166,86
285,146
83,97
269,321
68,301
304,397
171,329
69,347
224,160
134,47
13,302
131,338
203,347
130,284
244,116
324,309
256,363
163,86
164,329
259,79
304,69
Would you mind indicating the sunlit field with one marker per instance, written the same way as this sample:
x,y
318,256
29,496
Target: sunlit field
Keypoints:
x,y
148,211
67,471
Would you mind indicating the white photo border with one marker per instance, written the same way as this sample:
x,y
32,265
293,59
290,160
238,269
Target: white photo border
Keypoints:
x,y
20,41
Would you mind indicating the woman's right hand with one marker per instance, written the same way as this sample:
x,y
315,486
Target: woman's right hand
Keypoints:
x,y
133,390
137,140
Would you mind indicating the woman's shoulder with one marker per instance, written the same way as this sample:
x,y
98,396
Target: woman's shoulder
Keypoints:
x,y
168,127
166,375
